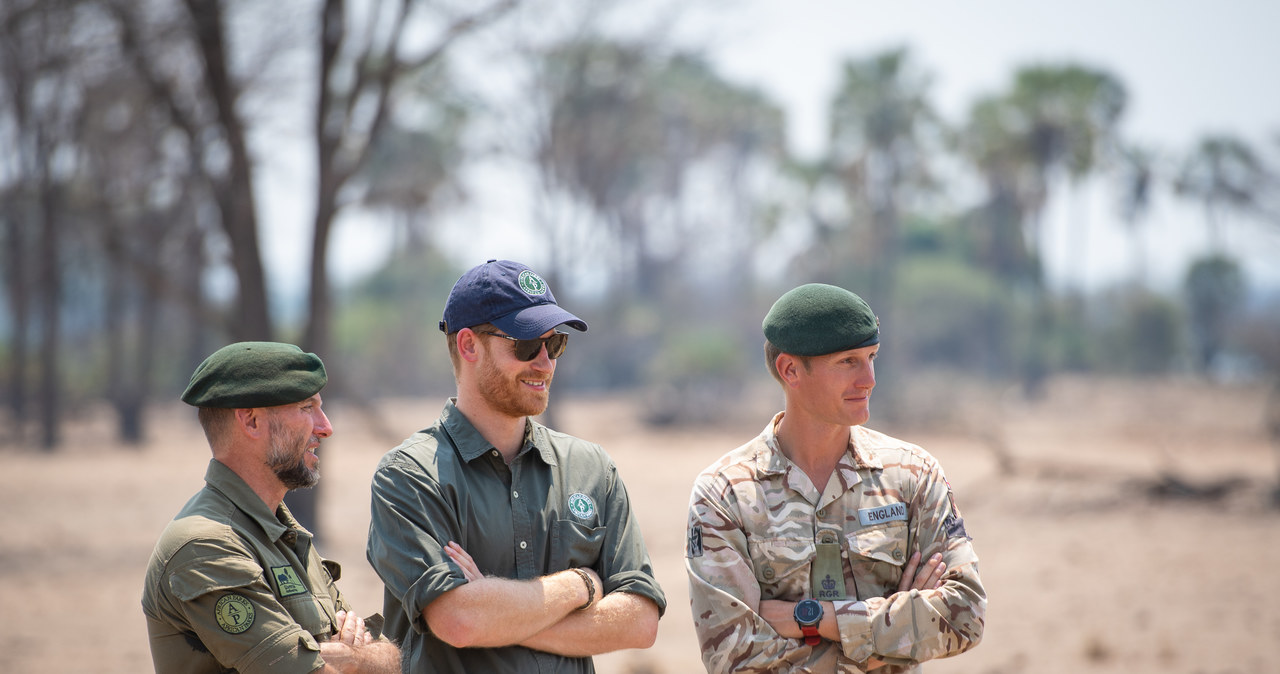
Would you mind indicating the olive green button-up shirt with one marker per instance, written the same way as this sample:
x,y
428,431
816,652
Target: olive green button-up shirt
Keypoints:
x,y
560,504
233,586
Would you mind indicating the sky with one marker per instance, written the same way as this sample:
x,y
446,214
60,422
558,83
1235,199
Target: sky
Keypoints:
x,y
1191,67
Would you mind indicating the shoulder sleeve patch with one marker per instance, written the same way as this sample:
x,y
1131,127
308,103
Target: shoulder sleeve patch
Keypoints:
x,y
234,613
694,547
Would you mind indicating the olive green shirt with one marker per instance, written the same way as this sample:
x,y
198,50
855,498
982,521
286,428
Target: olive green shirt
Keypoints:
x,y
232,586
560,504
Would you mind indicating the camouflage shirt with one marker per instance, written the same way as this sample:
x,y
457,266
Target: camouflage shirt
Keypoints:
x,y
755,523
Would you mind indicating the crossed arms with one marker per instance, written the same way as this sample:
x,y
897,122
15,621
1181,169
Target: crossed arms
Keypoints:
x,y
543,614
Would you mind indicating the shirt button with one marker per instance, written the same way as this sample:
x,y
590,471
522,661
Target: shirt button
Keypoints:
x,y
523,545
494,452
897,554
768,573
822,513
515,494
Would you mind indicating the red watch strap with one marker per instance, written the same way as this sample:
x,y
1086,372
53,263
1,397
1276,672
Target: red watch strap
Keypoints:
x,y
811,637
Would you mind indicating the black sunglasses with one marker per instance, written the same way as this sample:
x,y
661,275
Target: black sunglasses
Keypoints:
x,y
528,349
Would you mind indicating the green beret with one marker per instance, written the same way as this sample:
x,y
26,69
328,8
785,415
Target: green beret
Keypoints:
x,y
255,374
817,319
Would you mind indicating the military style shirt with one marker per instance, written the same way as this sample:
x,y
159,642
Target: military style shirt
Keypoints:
x,y
560,504
757,524
232,586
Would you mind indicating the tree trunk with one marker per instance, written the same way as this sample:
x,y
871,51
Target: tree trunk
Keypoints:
x,y
234,194
50,289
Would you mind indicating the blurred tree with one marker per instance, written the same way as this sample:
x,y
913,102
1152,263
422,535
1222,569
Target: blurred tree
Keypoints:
x,y
368,55
1136,178
1054,121
634,137
40,110
883,130
1215,287
1224,173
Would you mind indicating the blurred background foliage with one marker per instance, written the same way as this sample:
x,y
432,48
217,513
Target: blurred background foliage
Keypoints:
x,y
668,208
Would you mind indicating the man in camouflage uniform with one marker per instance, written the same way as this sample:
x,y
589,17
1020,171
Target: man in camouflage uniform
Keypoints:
x,y
819,519
234,584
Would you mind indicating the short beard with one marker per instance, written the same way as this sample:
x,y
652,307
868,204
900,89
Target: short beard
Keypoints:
x,y
507,395
289,464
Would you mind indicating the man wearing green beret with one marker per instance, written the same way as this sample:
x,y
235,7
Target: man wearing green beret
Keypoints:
x,y
234,583
805,544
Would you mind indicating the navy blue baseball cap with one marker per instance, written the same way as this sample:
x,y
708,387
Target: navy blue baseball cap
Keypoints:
x,y
509,295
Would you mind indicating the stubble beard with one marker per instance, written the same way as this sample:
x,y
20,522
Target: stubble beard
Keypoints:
x,y
287,457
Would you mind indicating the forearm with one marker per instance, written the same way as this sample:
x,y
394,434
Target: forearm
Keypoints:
x,y
492,612
379,657
618,621
915,625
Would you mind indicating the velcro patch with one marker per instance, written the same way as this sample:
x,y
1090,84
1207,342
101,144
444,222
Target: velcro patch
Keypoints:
x,y
287,581
694,547
893,512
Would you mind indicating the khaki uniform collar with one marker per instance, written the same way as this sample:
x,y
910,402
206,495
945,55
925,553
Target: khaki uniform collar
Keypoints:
x,y
229,484
857,457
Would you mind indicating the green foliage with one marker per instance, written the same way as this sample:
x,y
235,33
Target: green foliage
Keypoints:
x,y
697,376
950,313
387,328
1215,287
1146,336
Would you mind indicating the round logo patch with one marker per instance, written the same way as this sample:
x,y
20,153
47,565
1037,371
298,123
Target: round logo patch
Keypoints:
x,y
581,506
234,614
531,283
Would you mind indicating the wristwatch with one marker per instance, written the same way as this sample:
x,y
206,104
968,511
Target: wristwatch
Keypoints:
x,y
808,614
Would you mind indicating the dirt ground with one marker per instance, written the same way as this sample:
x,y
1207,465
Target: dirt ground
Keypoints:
x,y
1093,560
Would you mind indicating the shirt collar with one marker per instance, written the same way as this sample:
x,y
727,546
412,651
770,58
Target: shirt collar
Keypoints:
x,y
471,445
231,485
856,457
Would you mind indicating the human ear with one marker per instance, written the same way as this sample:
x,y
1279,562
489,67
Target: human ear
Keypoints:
x,y
468,345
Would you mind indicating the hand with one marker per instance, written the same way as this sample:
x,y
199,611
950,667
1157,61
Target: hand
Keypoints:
x,y
351,631
928,578
460,557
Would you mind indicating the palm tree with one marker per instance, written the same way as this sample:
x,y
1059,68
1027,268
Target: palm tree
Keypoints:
x,y
883,128
1224,173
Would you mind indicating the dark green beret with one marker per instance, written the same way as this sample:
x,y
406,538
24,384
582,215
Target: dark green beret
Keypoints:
x,y
817,319
255,374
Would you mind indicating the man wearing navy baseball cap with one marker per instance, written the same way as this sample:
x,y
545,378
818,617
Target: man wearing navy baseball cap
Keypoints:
x,y
505,546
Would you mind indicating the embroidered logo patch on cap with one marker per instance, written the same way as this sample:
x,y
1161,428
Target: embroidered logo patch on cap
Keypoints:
x,y
581,506
234,614
531,283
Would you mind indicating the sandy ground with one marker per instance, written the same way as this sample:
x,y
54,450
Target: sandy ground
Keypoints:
x,y
1086,568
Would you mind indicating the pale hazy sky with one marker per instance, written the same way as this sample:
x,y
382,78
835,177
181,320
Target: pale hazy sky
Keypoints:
x,y
1191,67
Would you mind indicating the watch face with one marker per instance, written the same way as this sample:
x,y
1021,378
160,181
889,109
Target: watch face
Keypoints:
x,y
808,612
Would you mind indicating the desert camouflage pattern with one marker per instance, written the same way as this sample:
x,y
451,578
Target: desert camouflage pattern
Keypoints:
x,y
755,520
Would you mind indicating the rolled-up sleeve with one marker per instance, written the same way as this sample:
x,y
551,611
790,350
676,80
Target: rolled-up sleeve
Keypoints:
x,y
408,528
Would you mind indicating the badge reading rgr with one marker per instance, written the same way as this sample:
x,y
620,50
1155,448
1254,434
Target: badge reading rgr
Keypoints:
x,y
531,283
581,506
234,614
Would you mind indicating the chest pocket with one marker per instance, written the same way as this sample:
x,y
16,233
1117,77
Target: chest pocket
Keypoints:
x,y
782,566
877,556
575,545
